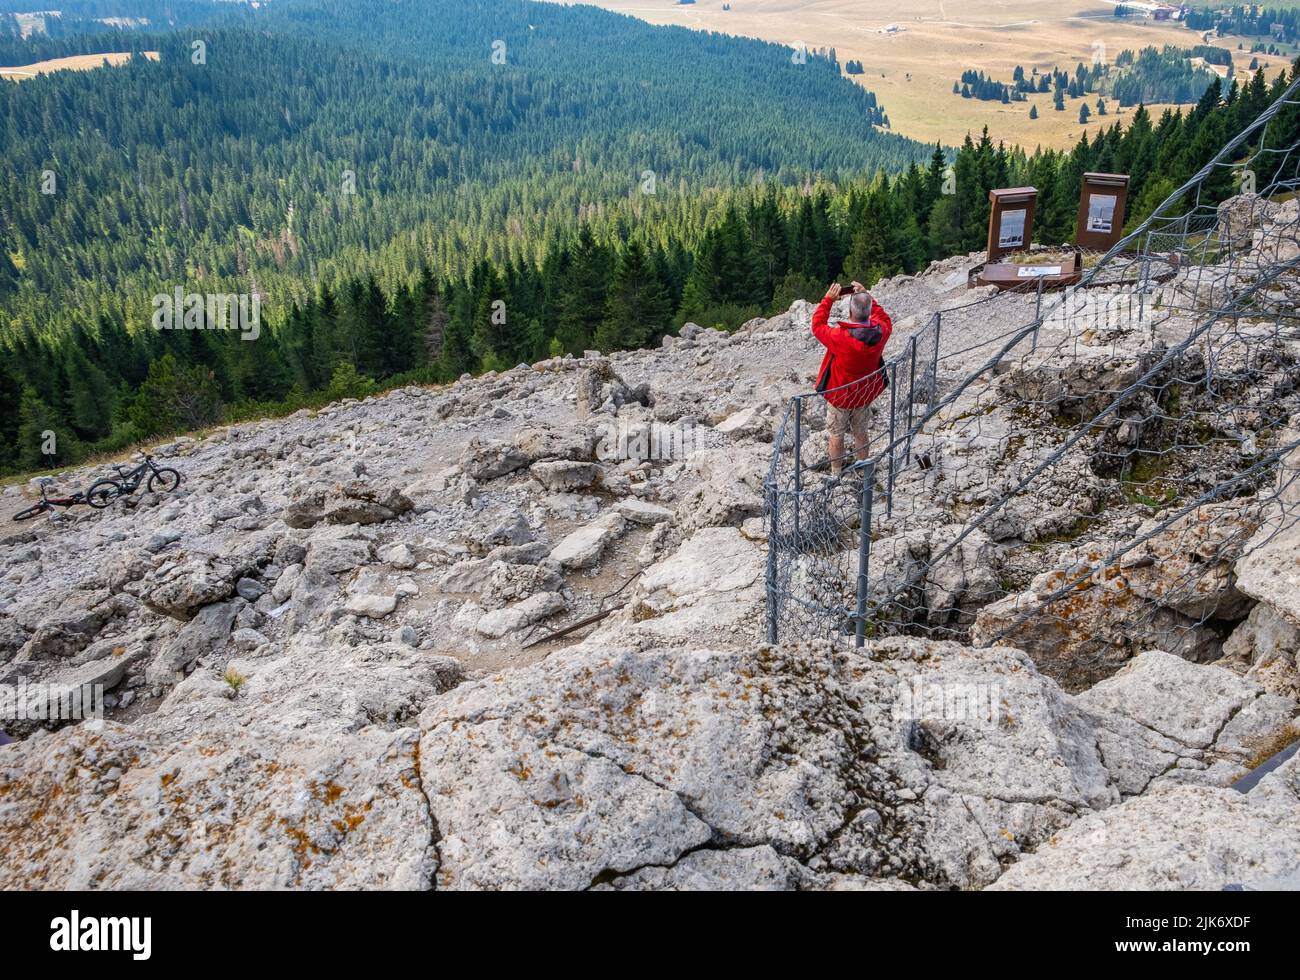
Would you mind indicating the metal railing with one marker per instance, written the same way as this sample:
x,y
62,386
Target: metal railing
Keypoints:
x,y
1190,283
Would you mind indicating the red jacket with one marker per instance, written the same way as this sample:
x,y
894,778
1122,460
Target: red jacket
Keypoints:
x,y
850,374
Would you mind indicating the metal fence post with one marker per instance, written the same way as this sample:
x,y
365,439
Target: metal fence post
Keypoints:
x,y
911,400
798,467
893,450
1038,314
934,364
864,552
774,506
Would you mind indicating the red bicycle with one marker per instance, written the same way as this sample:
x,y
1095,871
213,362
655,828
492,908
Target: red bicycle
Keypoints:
x,y
47,504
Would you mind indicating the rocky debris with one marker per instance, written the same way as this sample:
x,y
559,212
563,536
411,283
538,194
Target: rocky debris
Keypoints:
x,y
347,503
1183,838
180,586
1078,383
371,606
542,442
204,634
1264,647
567,474
274,740
536,607
69,629
601,389
338,550
180,583
642,511
1188,566
296,771
398,556
582,548
490,459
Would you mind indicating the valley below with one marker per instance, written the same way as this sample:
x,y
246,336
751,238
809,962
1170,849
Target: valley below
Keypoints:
x,y
912,55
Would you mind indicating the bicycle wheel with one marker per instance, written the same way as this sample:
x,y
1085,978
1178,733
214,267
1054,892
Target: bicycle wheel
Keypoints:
x,y
30,512
164,481
102,493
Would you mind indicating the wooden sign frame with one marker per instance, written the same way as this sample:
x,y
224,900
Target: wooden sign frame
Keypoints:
x,y
1103,201
1011,220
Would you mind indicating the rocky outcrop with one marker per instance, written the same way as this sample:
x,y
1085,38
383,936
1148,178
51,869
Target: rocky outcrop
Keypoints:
x,y
349,503
1176,839
605,764
287,772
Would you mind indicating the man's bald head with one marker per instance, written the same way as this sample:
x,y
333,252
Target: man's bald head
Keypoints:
x,y
860,307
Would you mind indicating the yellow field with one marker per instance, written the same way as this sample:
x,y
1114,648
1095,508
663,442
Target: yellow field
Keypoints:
x,y
911,69
80,62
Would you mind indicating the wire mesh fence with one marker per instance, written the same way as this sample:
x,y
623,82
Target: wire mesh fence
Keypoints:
x,y
1108,457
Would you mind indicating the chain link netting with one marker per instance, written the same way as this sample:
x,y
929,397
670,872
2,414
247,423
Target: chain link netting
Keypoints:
x,y
1085,473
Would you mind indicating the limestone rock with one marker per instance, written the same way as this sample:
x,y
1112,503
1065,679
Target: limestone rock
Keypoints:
x,y
499,622
566,474
203,634
1181,838
582,548
347,503
643,512
488,460
371,606
1189,703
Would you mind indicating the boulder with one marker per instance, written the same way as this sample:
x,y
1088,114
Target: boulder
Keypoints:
x,y
565,474
1189,703
1179,838
499,622
1188,566
347,503
69,629
582,548
1268,570
1082,621
604,765
398,556
489,459
1264,647
306,779
642,511
370,606
337,552
204,634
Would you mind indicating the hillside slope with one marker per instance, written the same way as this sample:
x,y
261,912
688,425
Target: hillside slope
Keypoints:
x,y
314,652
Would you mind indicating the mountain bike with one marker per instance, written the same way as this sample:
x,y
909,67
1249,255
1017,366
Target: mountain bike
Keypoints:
x,y
47,504
161,480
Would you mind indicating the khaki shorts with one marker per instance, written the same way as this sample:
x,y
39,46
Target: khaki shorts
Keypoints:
x,y
841,420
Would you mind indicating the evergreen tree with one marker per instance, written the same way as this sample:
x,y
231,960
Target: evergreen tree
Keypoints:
x,y
637,307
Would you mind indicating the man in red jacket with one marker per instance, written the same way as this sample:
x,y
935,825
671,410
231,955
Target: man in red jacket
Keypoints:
x,y
851,377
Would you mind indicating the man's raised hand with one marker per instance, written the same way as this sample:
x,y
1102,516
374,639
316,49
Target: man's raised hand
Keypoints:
x,y
834,291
